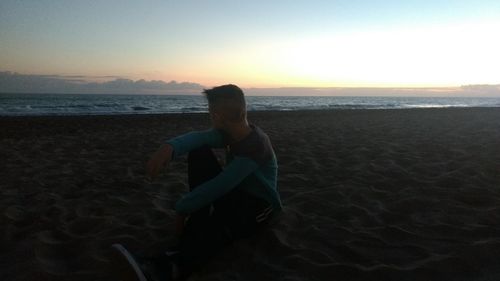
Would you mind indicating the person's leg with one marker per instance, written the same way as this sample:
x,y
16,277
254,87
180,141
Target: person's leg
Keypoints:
x,y
242,213
235,215
202,166
203,234
201,239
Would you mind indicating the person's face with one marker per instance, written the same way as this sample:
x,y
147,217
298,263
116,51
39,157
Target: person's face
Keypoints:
x,y
215,117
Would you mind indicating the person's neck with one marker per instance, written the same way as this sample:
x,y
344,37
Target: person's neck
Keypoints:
x,y
239,131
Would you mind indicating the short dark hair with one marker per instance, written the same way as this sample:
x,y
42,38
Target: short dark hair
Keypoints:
x,y
231,99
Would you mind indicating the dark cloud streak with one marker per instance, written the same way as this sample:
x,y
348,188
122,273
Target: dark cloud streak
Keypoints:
x,y
11,82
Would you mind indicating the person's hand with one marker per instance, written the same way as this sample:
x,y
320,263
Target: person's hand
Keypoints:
x,y
179,223
160,159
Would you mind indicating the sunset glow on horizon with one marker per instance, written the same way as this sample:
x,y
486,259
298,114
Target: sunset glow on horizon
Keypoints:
x,y
258,44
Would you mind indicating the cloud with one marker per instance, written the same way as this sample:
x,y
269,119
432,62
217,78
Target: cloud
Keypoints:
x,y
11,82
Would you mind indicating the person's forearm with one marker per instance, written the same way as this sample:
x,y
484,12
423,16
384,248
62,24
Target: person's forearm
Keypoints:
x,y
167,151
214,188
160,159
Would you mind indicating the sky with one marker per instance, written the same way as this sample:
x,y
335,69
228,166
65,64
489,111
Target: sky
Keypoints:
x,y
262,44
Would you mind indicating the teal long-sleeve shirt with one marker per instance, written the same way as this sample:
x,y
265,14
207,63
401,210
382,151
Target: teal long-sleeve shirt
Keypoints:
x,y
253,159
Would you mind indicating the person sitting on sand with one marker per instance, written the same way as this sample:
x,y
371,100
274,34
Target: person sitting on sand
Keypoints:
x,y
224,203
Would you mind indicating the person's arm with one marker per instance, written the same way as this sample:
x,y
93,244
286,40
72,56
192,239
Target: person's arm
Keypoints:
x,y
181,145
189,141
209,191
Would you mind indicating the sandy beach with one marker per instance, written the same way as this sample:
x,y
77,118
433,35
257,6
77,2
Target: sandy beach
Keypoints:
x,y
368,195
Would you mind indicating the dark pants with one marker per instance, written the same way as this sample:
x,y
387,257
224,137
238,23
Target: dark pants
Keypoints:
x,y
213,227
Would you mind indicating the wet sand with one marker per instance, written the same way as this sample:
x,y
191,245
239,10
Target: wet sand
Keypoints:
x,y
368,194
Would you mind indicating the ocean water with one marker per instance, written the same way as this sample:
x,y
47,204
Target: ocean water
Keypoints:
x,y
91,104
